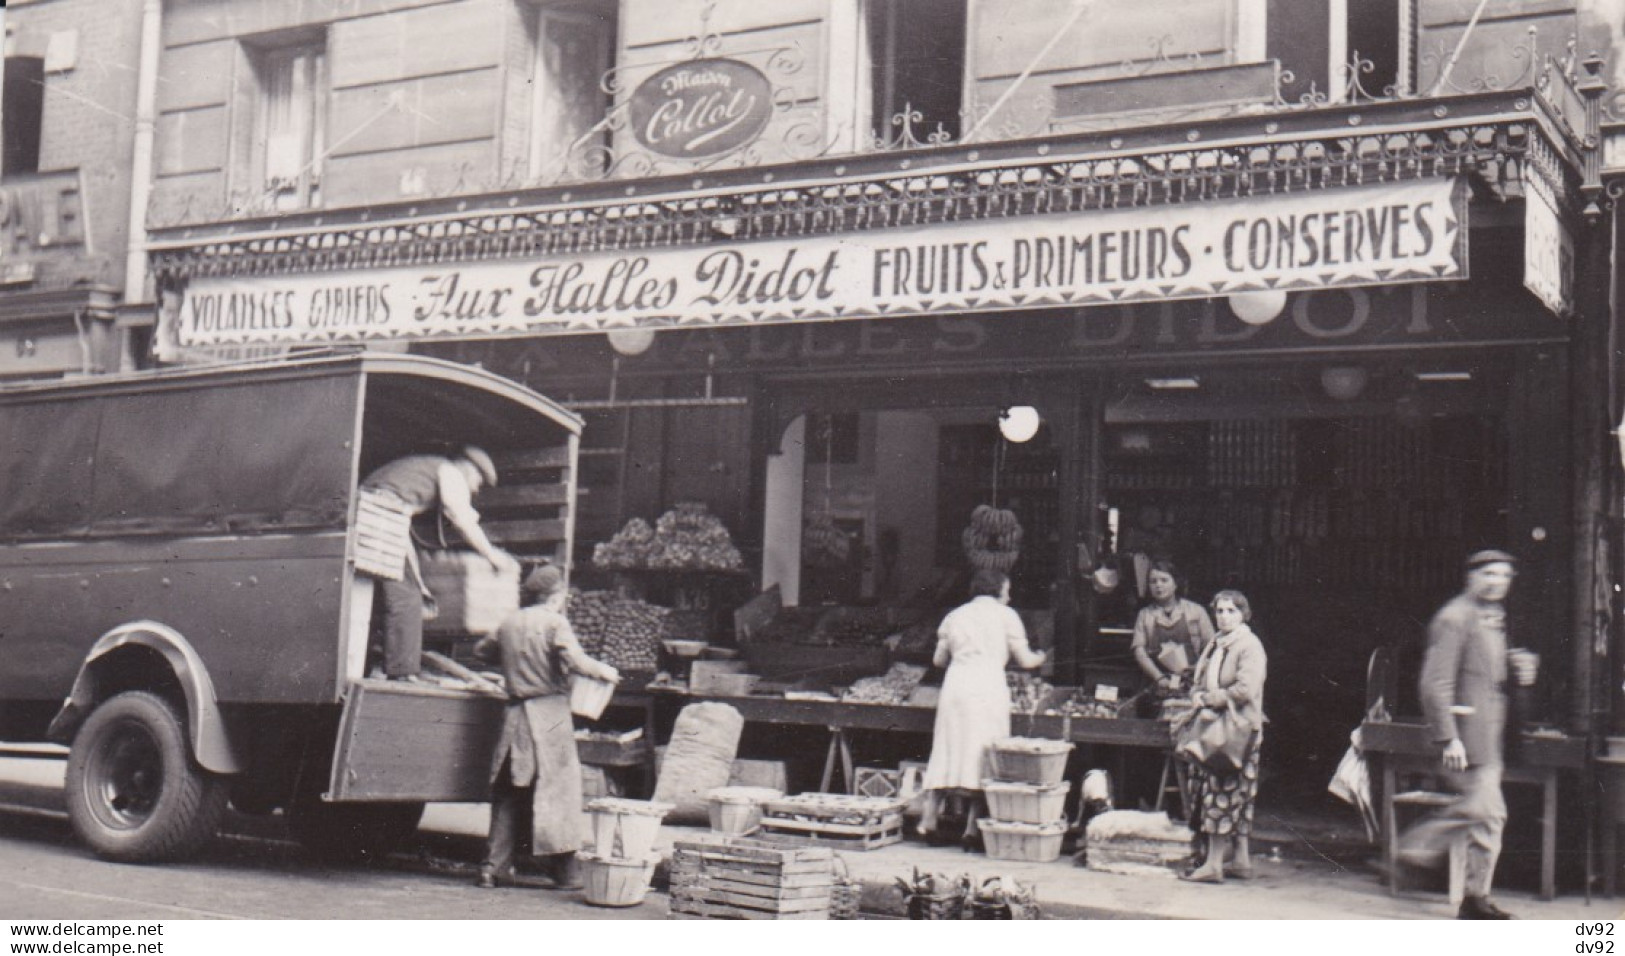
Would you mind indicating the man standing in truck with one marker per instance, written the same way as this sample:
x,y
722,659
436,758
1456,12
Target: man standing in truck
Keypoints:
x,y
419,483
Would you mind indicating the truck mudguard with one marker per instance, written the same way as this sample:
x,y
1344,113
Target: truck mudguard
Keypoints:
x,y
204,727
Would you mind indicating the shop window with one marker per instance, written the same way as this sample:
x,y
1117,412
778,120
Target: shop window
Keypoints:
x,y
916,52
290,124
1317,41
574,48
22,113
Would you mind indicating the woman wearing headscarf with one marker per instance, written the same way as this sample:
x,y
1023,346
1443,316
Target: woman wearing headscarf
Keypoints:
x,y
1230,673
535,772
974,642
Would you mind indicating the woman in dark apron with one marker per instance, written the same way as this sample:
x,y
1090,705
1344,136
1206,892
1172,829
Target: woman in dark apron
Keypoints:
x,y
1170,632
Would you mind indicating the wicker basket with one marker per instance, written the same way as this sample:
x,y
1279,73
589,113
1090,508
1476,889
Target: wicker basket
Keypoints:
x,y
1023,842
1025,802
1030,760
945,906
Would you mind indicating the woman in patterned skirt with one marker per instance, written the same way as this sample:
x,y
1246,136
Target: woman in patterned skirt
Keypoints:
x,y
1230,672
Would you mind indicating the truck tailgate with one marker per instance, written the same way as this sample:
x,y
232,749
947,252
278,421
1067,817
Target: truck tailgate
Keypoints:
x,y
415,742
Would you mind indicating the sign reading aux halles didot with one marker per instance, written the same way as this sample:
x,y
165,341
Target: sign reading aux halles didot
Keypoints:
x,y
1355,236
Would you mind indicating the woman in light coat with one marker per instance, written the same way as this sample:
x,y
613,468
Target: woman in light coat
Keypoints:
x,y
1230,673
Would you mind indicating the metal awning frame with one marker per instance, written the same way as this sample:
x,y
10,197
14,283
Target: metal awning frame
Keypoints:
x,y
1492,136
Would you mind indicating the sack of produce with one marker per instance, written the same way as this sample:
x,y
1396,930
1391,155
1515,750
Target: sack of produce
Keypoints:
x,y
699,759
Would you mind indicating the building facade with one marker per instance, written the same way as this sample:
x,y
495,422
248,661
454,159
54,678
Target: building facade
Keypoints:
x,y
65,189
1313,298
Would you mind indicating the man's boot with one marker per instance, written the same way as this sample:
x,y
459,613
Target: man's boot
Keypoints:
x,y
1480,907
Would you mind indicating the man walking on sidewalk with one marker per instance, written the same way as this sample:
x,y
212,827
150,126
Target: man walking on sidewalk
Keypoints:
x,y
1464,699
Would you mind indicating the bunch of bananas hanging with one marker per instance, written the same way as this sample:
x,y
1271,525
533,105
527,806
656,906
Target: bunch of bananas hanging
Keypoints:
x,y
823,545
992,541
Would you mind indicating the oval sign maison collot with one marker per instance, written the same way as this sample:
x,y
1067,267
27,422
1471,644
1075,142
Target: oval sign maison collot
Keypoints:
x,y
701,108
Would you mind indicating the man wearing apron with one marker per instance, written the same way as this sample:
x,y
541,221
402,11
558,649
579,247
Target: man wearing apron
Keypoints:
x,y
418,483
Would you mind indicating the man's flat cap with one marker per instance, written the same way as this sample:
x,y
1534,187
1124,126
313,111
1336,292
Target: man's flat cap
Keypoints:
x,y
1480,558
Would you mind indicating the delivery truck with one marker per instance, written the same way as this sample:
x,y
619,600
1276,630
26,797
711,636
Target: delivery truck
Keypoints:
x,y
180,602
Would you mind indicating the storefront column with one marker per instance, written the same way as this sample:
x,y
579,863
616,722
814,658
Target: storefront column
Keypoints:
x,y
1590,431
1612,675
1072,616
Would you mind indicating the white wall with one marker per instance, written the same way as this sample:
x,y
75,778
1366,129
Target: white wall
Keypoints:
x,y
781,532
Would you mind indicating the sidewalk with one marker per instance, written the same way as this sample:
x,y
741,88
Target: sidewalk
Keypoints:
x,y
1298,889
1320,876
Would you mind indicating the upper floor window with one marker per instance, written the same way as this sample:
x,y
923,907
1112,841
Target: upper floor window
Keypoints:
x,y
22,112
574,45
1329,45
916,68
290,125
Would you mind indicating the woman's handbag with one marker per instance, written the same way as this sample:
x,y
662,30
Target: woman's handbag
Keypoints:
x,y
1216,739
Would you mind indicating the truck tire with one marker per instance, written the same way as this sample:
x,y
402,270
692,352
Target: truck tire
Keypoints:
x,y
134,793
352,832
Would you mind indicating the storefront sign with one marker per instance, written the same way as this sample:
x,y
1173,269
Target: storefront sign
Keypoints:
x,y
1548,247
1348,237
1492,308
701,108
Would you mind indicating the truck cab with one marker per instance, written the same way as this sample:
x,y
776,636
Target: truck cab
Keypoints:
x,y
182,606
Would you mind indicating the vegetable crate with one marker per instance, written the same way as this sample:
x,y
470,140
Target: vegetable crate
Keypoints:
x,y
852,823
737,878
471,596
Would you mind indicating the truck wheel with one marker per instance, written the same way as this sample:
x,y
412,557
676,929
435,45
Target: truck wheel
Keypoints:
x,y
352,832
134,792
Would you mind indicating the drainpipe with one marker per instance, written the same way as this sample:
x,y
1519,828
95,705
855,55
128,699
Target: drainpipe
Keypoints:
x,y
146,124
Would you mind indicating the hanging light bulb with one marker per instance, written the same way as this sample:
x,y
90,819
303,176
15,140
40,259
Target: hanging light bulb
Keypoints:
x,y
633,341
1019,423
1258,308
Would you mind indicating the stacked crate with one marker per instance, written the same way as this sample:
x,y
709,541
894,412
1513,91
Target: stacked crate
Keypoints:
x,y
738,878
1027,800
850,822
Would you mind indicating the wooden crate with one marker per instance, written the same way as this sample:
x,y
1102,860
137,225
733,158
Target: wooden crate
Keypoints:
x,y
736,878
854,823
846,836
472,597
877,782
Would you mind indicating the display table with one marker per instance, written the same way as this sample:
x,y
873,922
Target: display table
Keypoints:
x,y
1399,747
841,718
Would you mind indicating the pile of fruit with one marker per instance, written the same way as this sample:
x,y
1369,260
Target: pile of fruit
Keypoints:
x,y
854,628
621,632
691,538
823,545
1082,705
686,538
992,541
894,687
1027,691
628,549
837,808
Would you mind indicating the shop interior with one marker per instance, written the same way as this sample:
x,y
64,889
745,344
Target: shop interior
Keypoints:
x,y
1339,496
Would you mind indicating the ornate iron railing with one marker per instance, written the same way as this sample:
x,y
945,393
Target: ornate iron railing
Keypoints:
x,y
1493,150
